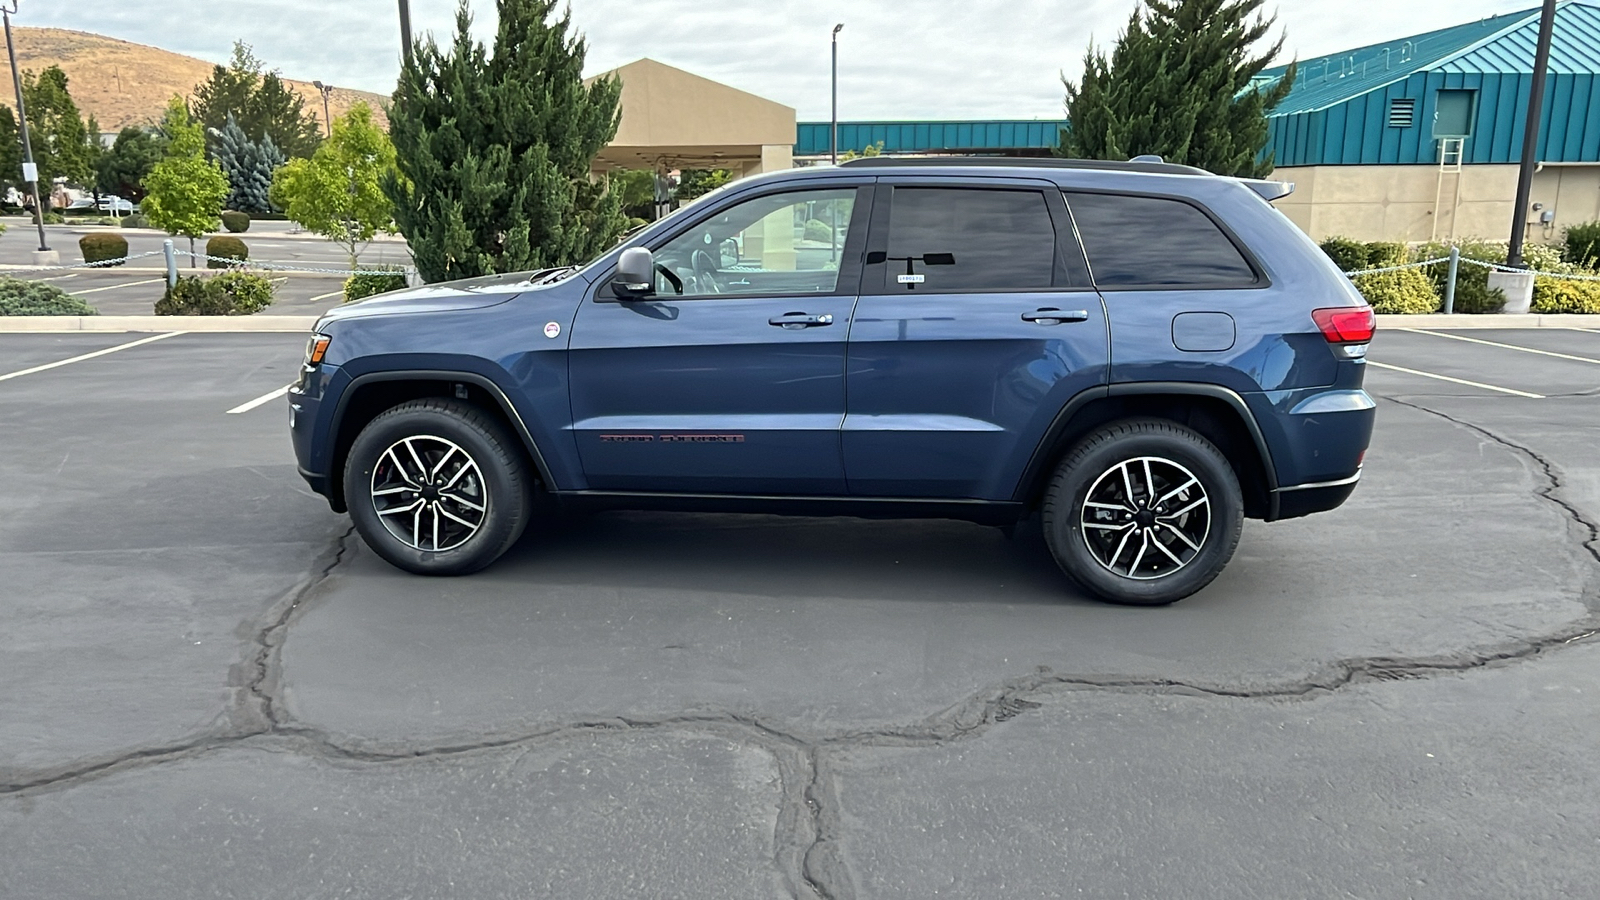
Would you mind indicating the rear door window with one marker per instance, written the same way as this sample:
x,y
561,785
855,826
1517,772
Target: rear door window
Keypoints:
x,y
1155,242
960,240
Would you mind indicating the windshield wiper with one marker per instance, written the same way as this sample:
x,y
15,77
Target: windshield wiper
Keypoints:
x,y
555,275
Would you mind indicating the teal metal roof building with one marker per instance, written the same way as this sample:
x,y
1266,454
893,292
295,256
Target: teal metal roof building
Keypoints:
x,y
1010,137
1394,103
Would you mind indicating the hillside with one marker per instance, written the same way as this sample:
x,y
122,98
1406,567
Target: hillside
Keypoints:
x,y
123,83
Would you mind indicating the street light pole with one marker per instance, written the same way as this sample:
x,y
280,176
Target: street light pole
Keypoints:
x,y
833,130
28,167
405,31
327,117
1530,136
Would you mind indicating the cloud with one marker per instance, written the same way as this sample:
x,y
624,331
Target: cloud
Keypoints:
x,y
912,59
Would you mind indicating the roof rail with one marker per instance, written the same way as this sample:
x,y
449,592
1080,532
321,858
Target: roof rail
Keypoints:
x,y
1024,162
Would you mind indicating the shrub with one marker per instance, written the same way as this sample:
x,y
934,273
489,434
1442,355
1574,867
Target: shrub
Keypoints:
x,y
102,247
1406,292
356,287
1583,244
1558,295
226,248
228,294
1349,255
135,220
50,218
1473,294
819,231
35,298
235,221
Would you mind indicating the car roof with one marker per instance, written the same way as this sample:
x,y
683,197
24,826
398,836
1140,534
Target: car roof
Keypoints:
x,y
1151,166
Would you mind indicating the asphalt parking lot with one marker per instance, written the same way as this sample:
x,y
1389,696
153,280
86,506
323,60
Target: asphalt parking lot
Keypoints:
x,y
213,689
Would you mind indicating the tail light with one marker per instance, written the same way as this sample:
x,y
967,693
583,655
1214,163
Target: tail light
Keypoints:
x,y
1348,328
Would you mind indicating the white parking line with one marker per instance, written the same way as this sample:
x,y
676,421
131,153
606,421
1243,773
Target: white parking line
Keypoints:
x,y
64,362
58,277
264,398
1476,384
1459,337
1589,330
113,287
326,296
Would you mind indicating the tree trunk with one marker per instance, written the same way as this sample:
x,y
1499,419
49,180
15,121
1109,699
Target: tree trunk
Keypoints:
x,y
191,253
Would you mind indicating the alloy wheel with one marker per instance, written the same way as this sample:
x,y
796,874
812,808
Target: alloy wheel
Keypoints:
x,y
429,493
1146,518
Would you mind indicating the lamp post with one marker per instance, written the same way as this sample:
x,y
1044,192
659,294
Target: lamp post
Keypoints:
x,y
327,117
833,130
1530,136
405,31
30,171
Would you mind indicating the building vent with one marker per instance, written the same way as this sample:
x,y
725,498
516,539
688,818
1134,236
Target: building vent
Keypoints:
x,y
1402,112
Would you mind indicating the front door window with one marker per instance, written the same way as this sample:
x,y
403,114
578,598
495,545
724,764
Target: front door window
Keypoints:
x,y
787,243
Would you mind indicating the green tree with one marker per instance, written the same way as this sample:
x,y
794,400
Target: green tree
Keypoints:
x,y
10,152
1179,83
185,190
59,136
636,192
495,151
337,193
122,168
259,101
693,183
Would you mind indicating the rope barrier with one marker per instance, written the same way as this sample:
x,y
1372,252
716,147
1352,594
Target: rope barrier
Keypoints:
x,y
1475,262
270,266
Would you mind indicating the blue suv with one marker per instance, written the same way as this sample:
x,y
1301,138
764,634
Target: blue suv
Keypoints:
x,y
1142,354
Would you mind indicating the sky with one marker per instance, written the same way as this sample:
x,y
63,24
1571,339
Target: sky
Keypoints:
x,y
898,59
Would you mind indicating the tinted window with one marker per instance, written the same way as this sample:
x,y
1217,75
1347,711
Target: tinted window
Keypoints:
x,y
1154,242
969,240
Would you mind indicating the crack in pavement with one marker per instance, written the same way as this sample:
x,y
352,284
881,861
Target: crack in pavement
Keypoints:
x,y
809,832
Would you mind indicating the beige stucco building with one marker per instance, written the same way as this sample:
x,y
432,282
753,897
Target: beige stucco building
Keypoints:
x,y
672,119
1421,203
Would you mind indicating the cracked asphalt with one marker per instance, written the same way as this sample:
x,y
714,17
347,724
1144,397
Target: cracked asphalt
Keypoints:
x,y
209,687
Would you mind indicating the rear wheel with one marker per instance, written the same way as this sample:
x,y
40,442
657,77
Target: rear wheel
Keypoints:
x,y
1143,512
437,487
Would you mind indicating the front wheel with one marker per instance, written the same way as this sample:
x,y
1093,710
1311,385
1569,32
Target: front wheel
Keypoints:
x,y
436,487
1143,512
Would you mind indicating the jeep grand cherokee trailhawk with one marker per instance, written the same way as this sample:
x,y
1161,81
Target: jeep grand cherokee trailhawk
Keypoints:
x,y
1142,354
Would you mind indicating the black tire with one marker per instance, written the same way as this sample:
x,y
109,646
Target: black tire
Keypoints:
x,y
493,476
1083,534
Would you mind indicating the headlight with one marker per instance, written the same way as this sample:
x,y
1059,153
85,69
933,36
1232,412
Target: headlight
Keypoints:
x,y
316,349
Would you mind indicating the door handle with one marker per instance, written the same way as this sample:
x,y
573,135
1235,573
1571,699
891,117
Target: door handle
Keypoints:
x,y
1051,316
795,320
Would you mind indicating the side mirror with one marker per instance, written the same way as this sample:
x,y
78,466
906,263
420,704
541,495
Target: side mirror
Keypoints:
x,y
636,274
728,251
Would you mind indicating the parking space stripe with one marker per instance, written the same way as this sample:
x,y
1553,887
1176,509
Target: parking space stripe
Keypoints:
x,y
264,398
1476,384
326,296
1460,337
21,372
113,287
1589,330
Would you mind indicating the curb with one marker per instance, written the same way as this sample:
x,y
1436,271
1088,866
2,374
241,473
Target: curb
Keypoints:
x,y
1526,320
257,324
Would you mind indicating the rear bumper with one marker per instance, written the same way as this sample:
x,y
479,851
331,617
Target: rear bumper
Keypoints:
x,y
1299,500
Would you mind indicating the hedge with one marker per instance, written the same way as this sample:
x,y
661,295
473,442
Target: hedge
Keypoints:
x,y
391,278
103,247
235,221
227,248
1553,295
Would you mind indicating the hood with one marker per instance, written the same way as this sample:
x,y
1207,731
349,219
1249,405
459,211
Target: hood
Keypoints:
x,y
447,296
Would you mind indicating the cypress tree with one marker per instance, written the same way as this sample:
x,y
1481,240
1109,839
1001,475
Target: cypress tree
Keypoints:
x,y
494,151
1178,83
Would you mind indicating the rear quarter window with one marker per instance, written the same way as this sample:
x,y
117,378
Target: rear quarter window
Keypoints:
x,y
1155,242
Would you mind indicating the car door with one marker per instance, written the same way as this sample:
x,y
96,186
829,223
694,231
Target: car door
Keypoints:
x,y
976,324
730,379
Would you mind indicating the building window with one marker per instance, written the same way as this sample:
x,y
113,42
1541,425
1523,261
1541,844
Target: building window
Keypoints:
x,y
1402,112
1452,116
